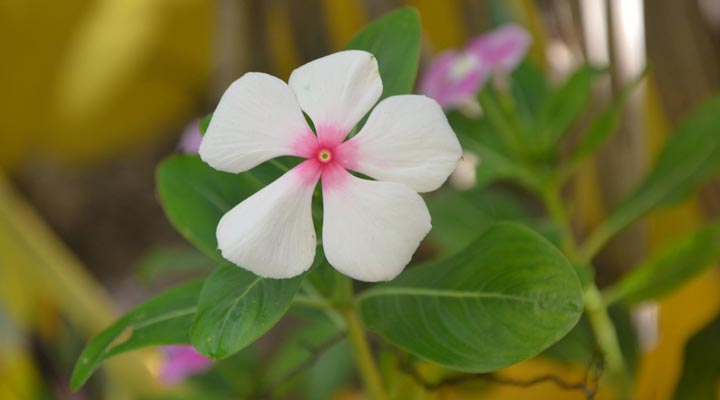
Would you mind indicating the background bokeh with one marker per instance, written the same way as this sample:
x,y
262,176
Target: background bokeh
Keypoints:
x,y
93,93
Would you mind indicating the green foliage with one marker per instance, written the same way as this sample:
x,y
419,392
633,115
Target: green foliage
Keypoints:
x,y
529,90
460,217
165,319
195,196
496,160
565,105
670,269
691,155
317,378
701,369
236,307
605,124
506,298
394,39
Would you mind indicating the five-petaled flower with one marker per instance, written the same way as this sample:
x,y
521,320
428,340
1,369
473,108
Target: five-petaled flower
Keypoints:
x,y
454,77
371,228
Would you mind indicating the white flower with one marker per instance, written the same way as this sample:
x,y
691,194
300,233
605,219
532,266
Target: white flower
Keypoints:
x,y
371,228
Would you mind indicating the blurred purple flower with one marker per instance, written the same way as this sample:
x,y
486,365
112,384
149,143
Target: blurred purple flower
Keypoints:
x,y
191,138
181,362
454,77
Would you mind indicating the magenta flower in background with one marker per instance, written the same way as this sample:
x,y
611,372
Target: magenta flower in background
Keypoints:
x,y
454,77
181,362
191,138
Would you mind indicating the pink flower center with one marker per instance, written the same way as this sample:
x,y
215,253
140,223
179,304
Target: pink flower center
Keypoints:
x,y
327,157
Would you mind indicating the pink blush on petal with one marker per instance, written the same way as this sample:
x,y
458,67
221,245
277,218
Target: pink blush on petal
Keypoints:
x,y
346,154
306,145
330,136
308,171
333,177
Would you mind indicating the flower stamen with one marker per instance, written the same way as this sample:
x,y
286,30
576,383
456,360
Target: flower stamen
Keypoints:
x,y
324,156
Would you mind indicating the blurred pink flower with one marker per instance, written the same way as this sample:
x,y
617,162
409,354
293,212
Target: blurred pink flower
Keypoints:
x,y
191,138
454,77
181,362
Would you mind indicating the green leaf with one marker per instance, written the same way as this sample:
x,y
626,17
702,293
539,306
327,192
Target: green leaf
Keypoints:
x,y
496,163
529,90
330,369
506,298
394,39
166,319
236,307
606,123
195,196
670,269
691,155
701,369
566,104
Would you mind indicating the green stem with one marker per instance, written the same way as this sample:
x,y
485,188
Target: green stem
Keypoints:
x,y
556,211
346,306
595,308
596,242
606,337
365,361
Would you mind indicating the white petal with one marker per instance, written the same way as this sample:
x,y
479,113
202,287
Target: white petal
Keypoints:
x,y
371,229
271,233
258,118
336,91
407,139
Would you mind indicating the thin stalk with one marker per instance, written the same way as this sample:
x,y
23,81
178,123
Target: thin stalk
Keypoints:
x,y
606,337
595,308
364,358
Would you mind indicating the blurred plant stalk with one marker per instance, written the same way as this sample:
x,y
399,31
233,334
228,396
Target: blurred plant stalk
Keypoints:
x,y
41,268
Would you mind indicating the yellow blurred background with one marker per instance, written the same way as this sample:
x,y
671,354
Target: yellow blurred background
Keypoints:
x,y
93,93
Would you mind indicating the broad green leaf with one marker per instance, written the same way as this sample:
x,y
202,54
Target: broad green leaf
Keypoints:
x,y
690,156
394,39
605,124
701,369
507,297
195,196
236,307
565,105
161,262
670,269
166,319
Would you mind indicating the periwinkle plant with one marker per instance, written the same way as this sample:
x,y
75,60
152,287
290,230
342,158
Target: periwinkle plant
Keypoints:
x,y
509,294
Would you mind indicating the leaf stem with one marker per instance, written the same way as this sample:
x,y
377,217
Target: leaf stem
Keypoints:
x,y
595,308
364,358
606,337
